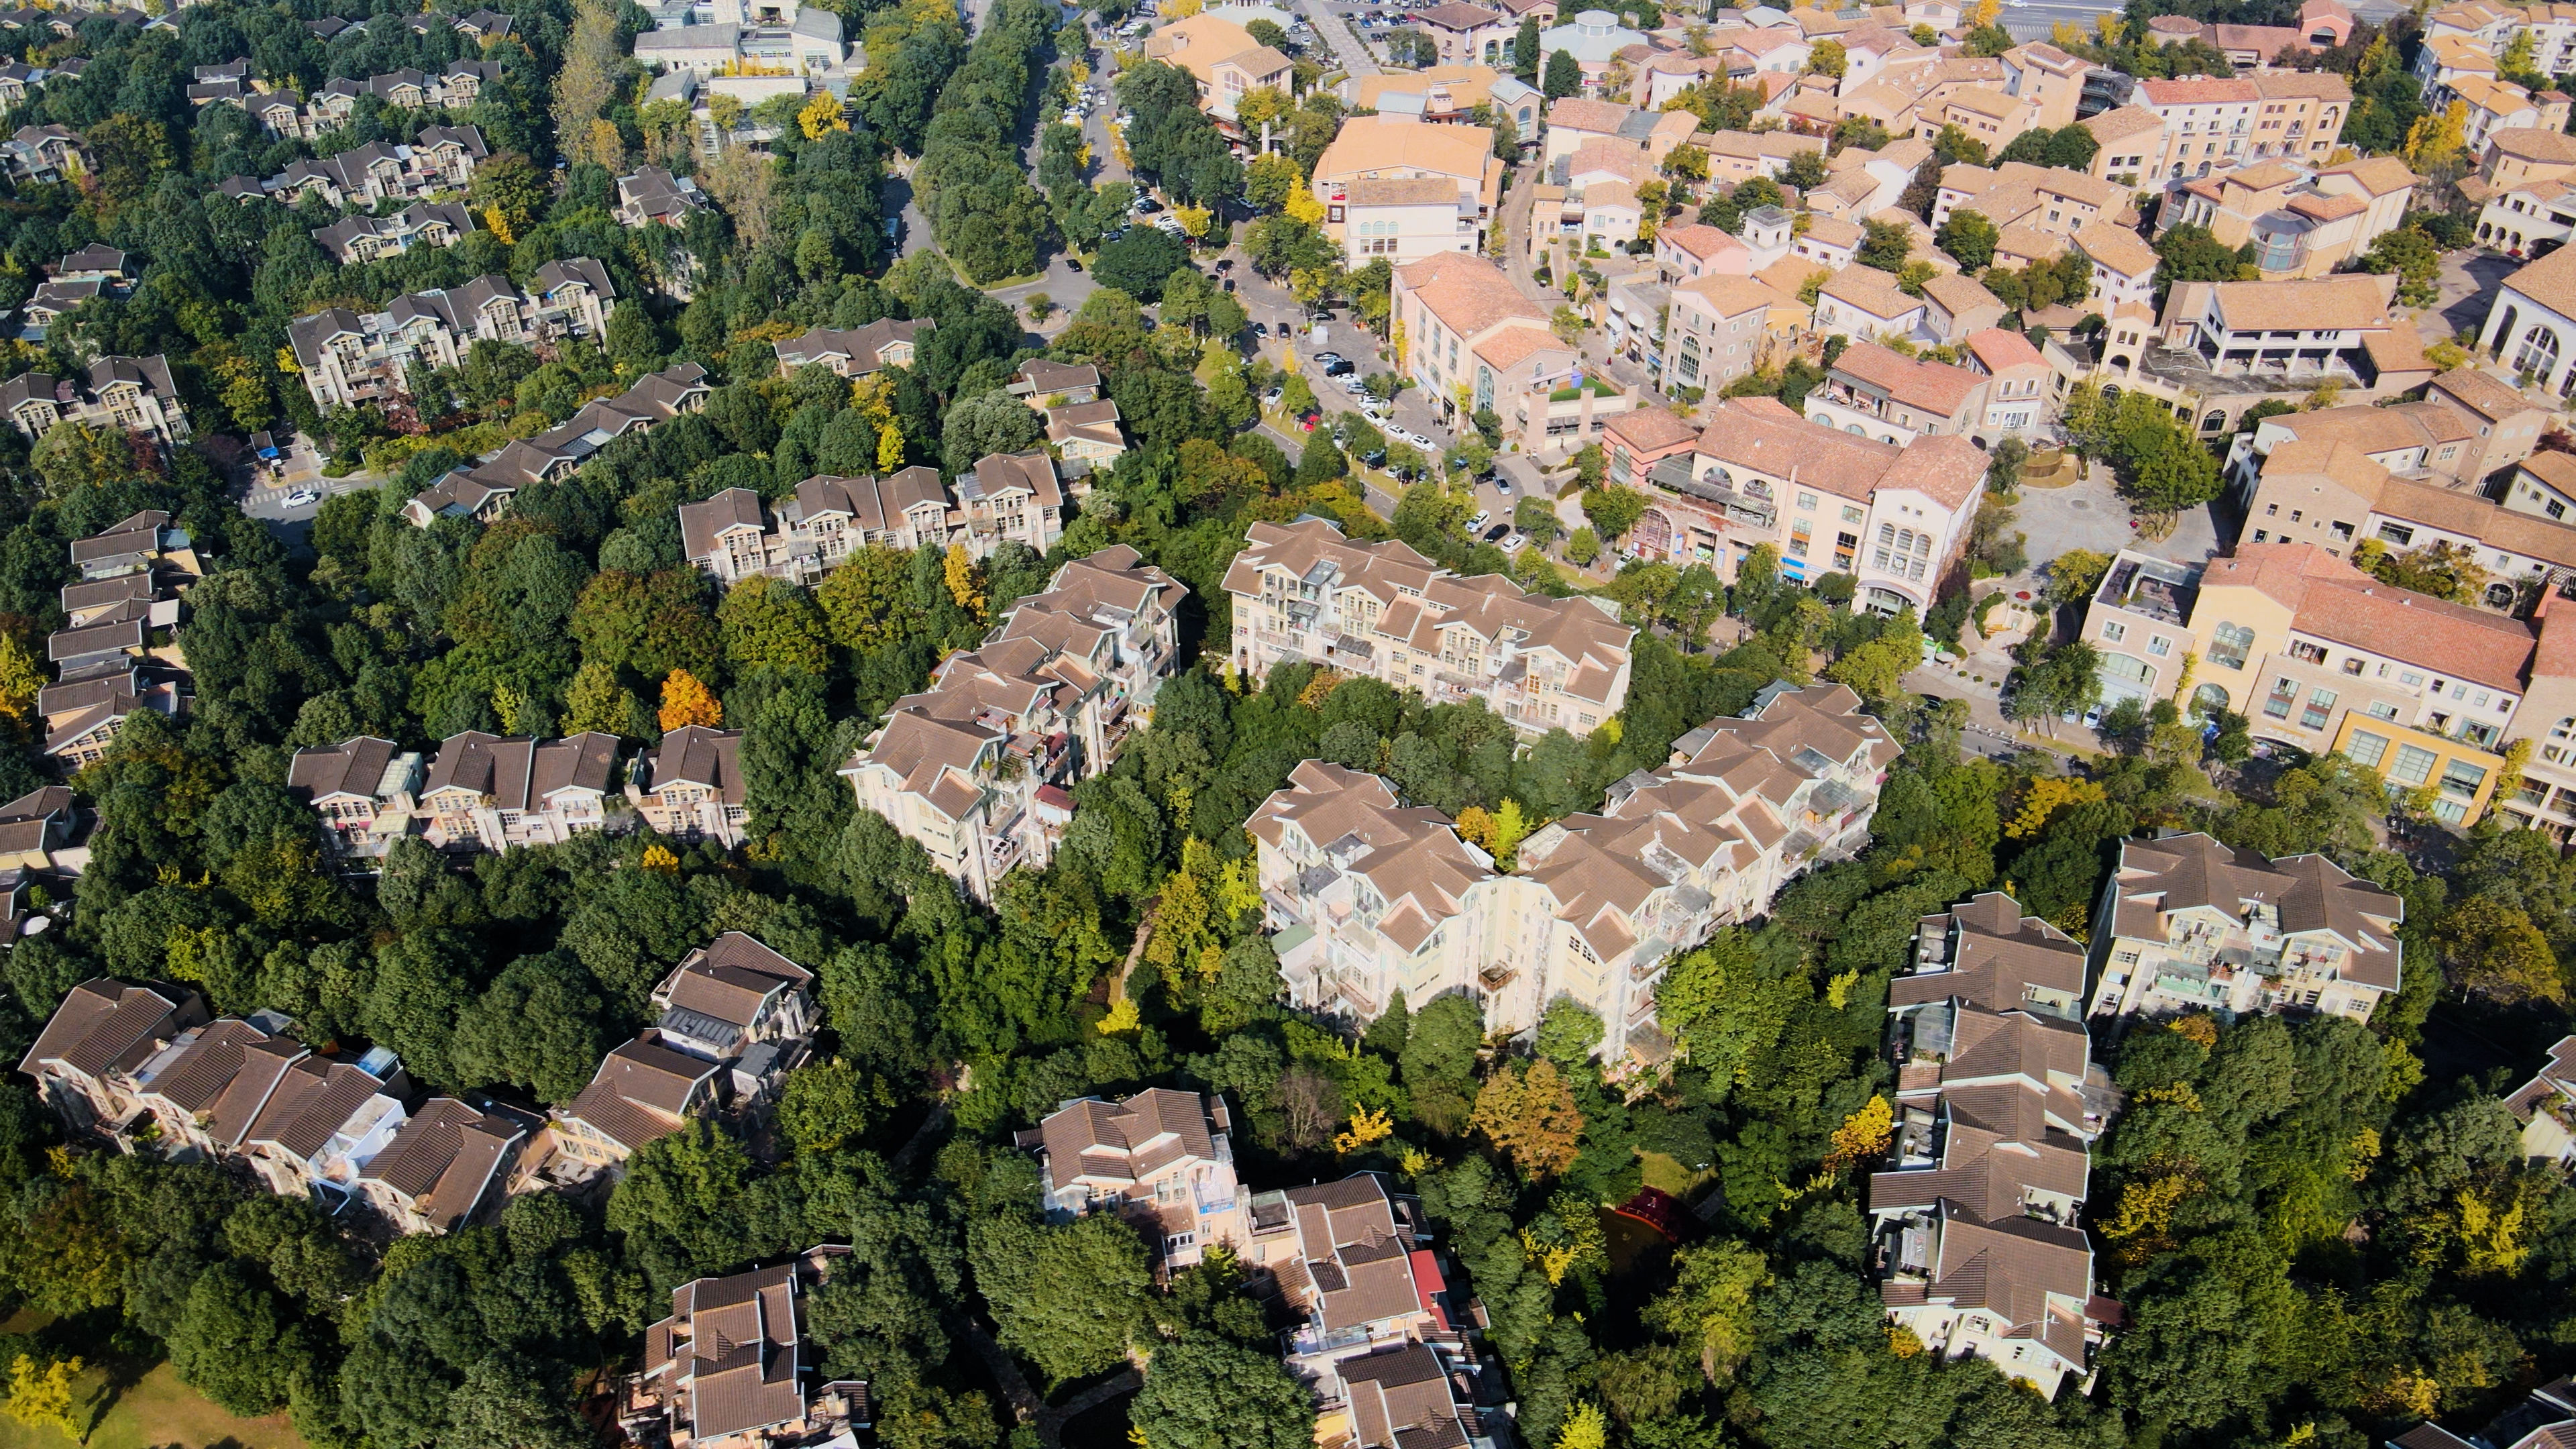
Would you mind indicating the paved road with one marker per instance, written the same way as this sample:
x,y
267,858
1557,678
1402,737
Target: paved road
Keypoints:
x,y
1336,32
263,495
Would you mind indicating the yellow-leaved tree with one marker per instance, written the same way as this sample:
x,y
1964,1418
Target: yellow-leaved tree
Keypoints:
x,y
889,448
687,701
959,573
20,681
1302,205
40,1394
821,116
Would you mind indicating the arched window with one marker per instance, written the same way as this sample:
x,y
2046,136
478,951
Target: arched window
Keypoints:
x,y
1718,476
2499,596
2209,698
2561,748
2229,645
2538,354
2217,419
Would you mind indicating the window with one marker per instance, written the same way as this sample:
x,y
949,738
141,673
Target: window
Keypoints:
x,y
2561,747
2396,533
2414,765
2462,779
2285,692
2352,666
2320,709
2307,653
1807,501
2114,633
2366,749
2160,646
2229,645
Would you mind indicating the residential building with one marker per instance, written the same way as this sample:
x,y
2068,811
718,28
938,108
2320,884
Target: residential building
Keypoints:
x,y
135,394
355,240
1720,328
2247,47
1404,219
1594,38
45,153
1873,391
1448,93
484,491
742,1006
1161,1159
84,1061
975,767
643,1092
854,351
1086,433
2130,142
1687,253
2047,77
1956,307
1398,1397
727,1369
32,828
2468,431
2493,105
454,87
1742,155
1978,1211
2546,1419
366,790
803,536
2340,326
804,45
1370,897
1043,384
2546,1106
2297,226
1303,592
1895,517
653,196
689,787
1011,498
444,1165
348,358
1468,34
2531,326
1224,61
440,159
1398,148
2016,390
1352,1260
1865,303
490,792
2187,924
2210,125
2545,800
1467,326
323,1122
118,652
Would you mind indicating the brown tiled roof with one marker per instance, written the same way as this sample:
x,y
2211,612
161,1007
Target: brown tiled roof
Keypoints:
x,y
697,755
1740,436
2483,393
640,1091
2335,601
702,524
223,1073
742,1369
105,1025
444,1158
353,767
1582,113
2000,954
1649,430
2197,91
312,1101
1935,387
1119,1144
2121,124
2310,893
2551,282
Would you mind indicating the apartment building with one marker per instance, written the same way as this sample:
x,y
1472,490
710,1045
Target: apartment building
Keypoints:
x,y
2186,924
2207,125
453,86
1473,341
1978,1210
1370,897
348,357
491,792
1735,156
135,394
1223,60
355,240
117,652
1873,391
854,351
48,153
444,1166
728,1369
689,787
2299,332
791,47
1895,517
2470,428
737,535
1302,591
1468,34
1161,1159
2300,223
440,159
1352,1260
2016,384
1448,93
84,1061
1400,148
1722,327
975,767
1404,219
2129,141
484,491
2319,655
2051,80
365,789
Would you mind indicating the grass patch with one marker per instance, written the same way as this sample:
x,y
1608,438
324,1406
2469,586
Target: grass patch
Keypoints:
x,y
155,1412
1664,1174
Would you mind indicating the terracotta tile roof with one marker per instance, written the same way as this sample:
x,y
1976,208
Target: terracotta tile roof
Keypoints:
x,y
1699,240
2199,91
1467,293
2483,393
1834,230
1999,954
1998,349
2382,175
1776,443
1403,191
2119,125
2349,303
2309,892
1872,291
2332,600
2551,282
1651,430
444,1159
1935,387
1389,143
1582,113
1960,295
2531,143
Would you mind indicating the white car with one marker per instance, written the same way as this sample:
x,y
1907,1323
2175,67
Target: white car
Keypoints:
x,y
1416,439
1515,543
1483,517
301,497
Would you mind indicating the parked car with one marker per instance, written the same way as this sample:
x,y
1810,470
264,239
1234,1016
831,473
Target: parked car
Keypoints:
x,y
1502,484
1515,543
1229,284
1340,367
1483,517
1328,357
1224,265
1271,398
1416,439
1374,458
1497,533
1260,329
1147,206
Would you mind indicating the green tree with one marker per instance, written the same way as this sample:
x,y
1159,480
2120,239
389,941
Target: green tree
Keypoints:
x,y
773,624
233,1345
1203,1392
681,1206
1969,238
1564,76
1070,1299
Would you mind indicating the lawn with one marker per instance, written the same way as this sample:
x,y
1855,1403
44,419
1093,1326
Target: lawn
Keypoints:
x,y
157,1413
